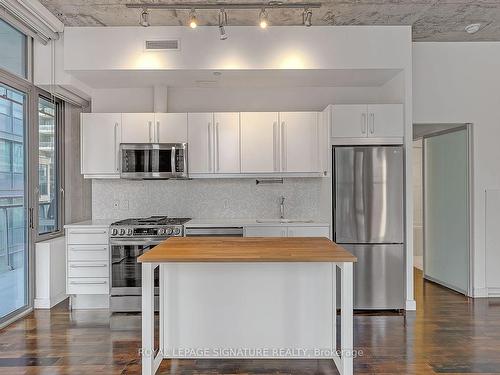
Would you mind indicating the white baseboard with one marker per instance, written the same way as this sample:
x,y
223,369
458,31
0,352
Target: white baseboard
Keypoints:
x,y
493,292
480,292
89,301
411,305
48,303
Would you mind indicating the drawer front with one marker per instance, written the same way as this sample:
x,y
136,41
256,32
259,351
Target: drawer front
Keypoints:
x,y
88,269
88,285
88,252
88,236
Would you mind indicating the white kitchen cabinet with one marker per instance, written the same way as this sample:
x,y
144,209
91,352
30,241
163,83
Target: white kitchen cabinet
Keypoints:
x,y
385,120
138,128
100,140
367,121
227,142
170,128
266,231
259,142
299,142
349,121
308,231
200,142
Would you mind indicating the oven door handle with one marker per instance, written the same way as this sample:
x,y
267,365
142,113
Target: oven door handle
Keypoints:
x,y
142,242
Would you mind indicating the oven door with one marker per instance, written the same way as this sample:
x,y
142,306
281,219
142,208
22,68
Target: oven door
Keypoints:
x,y
153,161
126,271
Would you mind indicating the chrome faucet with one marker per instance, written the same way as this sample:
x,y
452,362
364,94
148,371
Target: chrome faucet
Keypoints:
x,y
282,207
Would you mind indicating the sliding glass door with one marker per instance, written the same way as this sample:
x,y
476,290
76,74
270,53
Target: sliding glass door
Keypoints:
x,y
14,250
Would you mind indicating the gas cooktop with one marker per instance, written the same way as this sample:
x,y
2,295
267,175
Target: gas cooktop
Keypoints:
x,y
154,227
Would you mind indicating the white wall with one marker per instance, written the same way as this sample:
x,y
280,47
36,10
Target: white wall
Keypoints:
x,y
123,100
457,83
418,223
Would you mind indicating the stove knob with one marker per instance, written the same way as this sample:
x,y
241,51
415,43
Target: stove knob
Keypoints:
x,y
114,232
169,231
161,231
130,231
122,232
177,231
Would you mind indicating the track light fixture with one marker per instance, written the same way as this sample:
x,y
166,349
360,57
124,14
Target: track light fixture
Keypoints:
x,y
222,23
193,22
144,21
263,18
307,17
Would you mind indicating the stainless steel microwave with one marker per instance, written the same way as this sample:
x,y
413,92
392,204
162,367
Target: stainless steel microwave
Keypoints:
x,y
153,160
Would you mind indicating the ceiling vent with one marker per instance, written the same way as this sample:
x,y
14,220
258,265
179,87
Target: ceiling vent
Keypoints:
x,y
162,45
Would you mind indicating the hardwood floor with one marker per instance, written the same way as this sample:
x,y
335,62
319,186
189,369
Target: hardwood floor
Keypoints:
x,y
449,333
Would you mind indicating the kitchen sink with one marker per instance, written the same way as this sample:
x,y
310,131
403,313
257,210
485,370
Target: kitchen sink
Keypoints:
x,y
282,221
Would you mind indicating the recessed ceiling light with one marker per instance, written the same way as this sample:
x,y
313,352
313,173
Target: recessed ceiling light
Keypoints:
x,y
193,22
263,19
217,74
473,28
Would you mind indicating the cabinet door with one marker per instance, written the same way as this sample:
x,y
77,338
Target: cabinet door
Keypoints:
x,y
385,120
265,231
138,128
227,142
100,138
170,127
259,142
308,231
299,141
349,121
200,143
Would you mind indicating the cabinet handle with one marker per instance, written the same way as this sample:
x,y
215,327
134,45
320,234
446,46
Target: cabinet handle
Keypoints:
x,y
172,160
217,155
117,160
88,266
158,131
283,149
88,249
372,123
88,231
363,123
209,147
150,138
88,282
275,158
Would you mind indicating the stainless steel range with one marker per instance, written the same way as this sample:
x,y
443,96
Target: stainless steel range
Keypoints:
x,y
129,239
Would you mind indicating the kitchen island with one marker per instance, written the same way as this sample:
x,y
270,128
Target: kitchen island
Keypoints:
x,y
247,298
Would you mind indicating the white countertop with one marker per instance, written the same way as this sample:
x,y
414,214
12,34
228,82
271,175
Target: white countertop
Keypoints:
x,y
247,222
91,223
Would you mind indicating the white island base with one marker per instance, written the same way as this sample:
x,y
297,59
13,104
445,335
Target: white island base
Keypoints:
x,y
247,310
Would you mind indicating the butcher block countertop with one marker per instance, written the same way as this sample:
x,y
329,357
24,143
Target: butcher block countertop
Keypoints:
x,y
247,249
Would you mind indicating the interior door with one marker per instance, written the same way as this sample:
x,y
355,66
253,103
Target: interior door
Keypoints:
x,y
227,142
299,142
171,127
201,142
259,142
446,209
349,121
138,128
368,188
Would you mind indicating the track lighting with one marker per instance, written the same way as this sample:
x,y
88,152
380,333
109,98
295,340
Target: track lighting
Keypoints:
x,y
307,17
144,18
193,22
222,22
263,18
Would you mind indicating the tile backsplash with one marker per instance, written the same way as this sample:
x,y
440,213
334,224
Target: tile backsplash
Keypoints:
x,y
205,198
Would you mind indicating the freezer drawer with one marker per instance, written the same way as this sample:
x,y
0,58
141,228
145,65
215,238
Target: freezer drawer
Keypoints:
x,y
378,276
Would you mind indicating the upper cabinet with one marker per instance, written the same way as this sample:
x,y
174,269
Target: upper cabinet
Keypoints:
x,y
214,143
259,142
154,128
299,141
100,139
367,121
171,127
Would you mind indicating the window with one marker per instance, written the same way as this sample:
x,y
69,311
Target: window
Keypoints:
x,y
48,166
13,50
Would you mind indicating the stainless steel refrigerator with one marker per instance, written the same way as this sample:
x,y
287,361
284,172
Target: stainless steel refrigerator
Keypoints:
x,y
368,221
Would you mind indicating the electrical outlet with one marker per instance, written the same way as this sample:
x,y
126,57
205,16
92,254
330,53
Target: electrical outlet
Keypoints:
x,y
116,203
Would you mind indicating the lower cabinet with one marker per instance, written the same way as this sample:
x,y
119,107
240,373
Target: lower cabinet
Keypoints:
x,y
287,231
87,254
